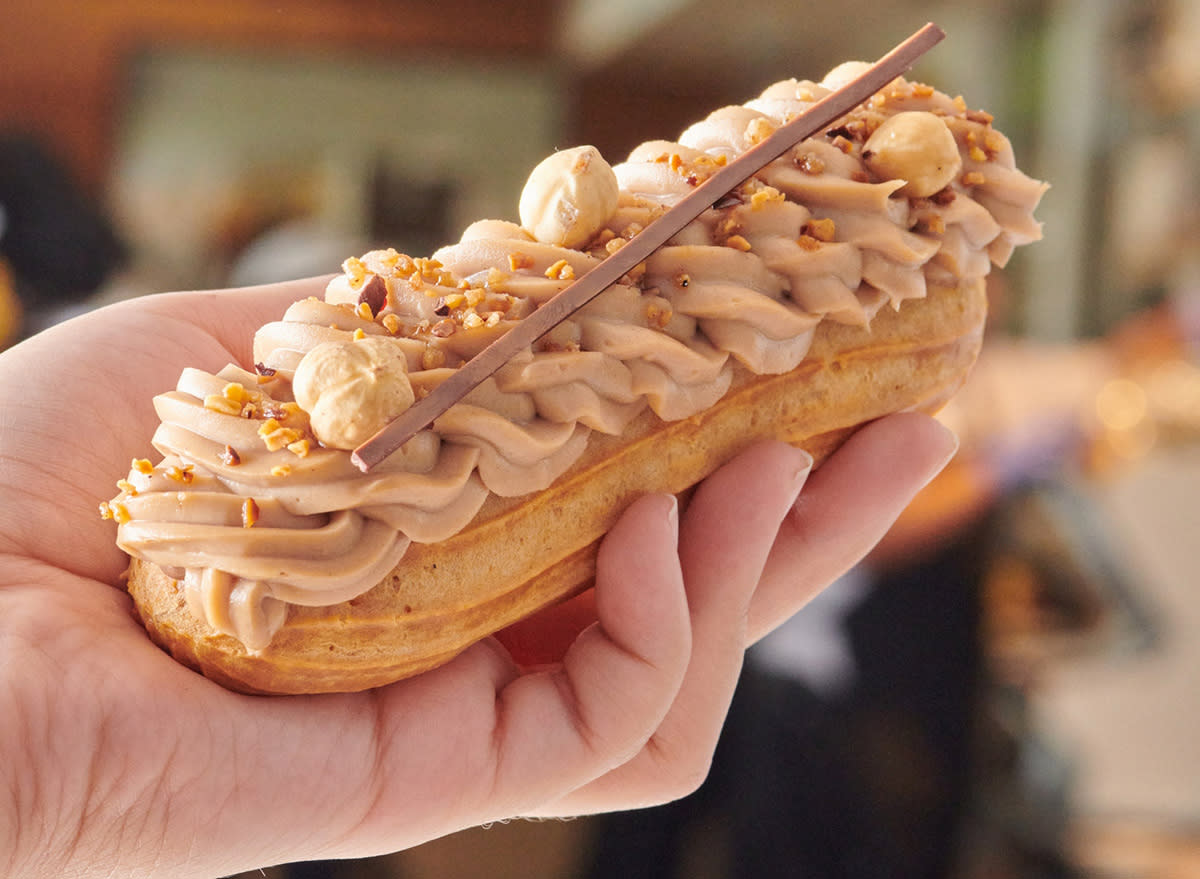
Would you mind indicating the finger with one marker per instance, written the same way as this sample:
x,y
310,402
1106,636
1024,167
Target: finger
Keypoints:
x,y
725,539
557,730
846,508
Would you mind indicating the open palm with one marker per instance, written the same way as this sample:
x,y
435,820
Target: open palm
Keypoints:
x,y
114,760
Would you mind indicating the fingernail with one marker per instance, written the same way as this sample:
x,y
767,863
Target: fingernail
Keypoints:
x,y
803,467
673,513
949,448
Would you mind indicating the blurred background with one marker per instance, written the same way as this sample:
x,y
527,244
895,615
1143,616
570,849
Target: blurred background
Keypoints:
x,y
1010,685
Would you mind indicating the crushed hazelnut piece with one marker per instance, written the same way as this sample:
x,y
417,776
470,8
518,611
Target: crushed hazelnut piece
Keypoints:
x,y
823,230
359,334
222,404
518,261
300,448
977,154
275,436
561,271
474,296
765,196
920,90
433,358
493,319
250,513
391,323
614,245
106,510
182,474
973,178
141,465
364,310
658,315
807,242
444,328
472,320
120,513
738,242
356,269
281,470
759,130
230,457
128,487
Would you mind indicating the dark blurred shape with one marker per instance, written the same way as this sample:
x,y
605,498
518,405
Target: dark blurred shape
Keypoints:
x,y
58,243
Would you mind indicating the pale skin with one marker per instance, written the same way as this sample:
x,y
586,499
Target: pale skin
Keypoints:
x,y
114,760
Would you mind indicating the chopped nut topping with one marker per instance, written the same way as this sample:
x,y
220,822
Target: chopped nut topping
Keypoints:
x,y
444,328
230,457
364,310
300,448
141,465
561,271
973,178
106,510
766,195
658,314
391,323
263,370
281,469
120,513
807,242
493,319
250,513
127,487
472,320
931,225
823,229
759,130
441,308
474,296
737,242
356,269
977,154
920,90
374,296
432,358
682,279
275,436
518,261
222,404
359,334
614,245
182,474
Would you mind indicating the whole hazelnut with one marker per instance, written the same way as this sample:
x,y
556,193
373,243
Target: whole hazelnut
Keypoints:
x,y
352,389
569,197
917,147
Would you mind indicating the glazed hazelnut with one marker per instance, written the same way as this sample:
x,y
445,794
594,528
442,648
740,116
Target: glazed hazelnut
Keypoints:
x,y
352,389
569,197
917,147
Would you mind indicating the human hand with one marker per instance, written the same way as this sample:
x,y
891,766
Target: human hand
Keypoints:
x,y
115,760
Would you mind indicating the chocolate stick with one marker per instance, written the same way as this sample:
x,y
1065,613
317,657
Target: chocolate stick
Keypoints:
x,y
825,111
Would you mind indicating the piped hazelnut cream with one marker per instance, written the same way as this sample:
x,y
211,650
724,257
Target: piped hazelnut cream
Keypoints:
x,y
256,504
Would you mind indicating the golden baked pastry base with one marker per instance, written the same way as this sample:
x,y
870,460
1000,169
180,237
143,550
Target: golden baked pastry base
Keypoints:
x,y
520,555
